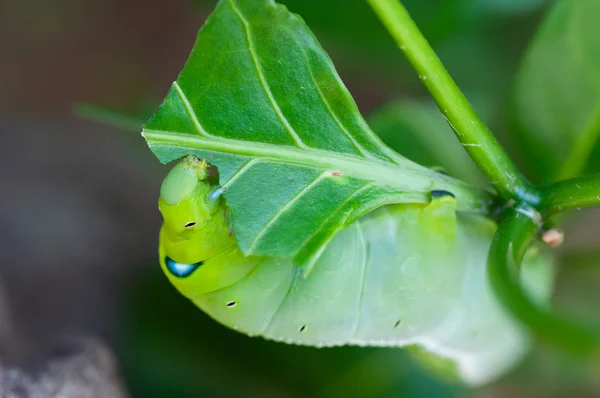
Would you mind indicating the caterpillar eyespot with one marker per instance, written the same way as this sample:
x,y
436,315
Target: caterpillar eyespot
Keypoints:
x,y
438,193
181,270
190,224
404,274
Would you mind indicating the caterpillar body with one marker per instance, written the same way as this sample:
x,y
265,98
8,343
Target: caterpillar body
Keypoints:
x,y
401,275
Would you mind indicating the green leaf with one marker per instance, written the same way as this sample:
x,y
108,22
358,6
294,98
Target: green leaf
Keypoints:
x,y
557,96
334,21
418,131
261,100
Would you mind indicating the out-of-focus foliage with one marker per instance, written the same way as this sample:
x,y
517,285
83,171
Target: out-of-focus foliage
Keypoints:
x,y
557,96
418,131
505,6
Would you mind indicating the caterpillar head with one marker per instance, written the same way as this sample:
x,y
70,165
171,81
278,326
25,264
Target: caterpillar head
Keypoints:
x,y
185,200
197,250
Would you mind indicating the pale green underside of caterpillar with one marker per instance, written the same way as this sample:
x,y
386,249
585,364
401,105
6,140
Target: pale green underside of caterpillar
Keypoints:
x,y
404,274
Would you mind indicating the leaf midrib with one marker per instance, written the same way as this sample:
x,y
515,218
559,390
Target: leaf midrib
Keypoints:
x,y
386,173
312,157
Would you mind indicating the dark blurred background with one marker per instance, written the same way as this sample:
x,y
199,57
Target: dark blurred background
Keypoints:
x,y
79,218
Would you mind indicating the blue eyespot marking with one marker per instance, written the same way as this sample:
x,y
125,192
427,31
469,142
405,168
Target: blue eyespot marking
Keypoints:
x,y
441,193
181,270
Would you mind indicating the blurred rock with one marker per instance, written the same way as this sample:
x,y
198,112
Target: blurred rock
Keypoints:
x,y
80,368
78,215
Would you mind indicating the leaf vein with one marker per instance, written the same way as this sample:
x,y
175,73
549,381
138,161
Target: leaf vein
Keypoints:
x,y
368,133
314,157
190,111
318,253
284,209
241,171
327,105
263,80
407,177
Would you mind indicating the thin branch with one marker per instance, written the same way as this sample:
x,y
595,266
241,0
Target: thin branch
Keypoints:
x,y
571,194
477,139
517,228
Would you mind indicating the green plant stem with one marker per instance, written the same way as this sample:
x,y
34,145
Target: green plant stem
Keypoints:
x,y
517,228
109,117
571,194
477,139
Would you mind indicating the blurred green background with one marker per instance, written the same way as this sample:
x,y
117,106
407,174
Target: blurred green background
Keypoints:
x,y
79,217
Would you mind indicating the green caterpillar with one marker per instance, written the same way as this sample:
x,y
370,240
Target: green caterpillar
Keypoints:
x,y
403,274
